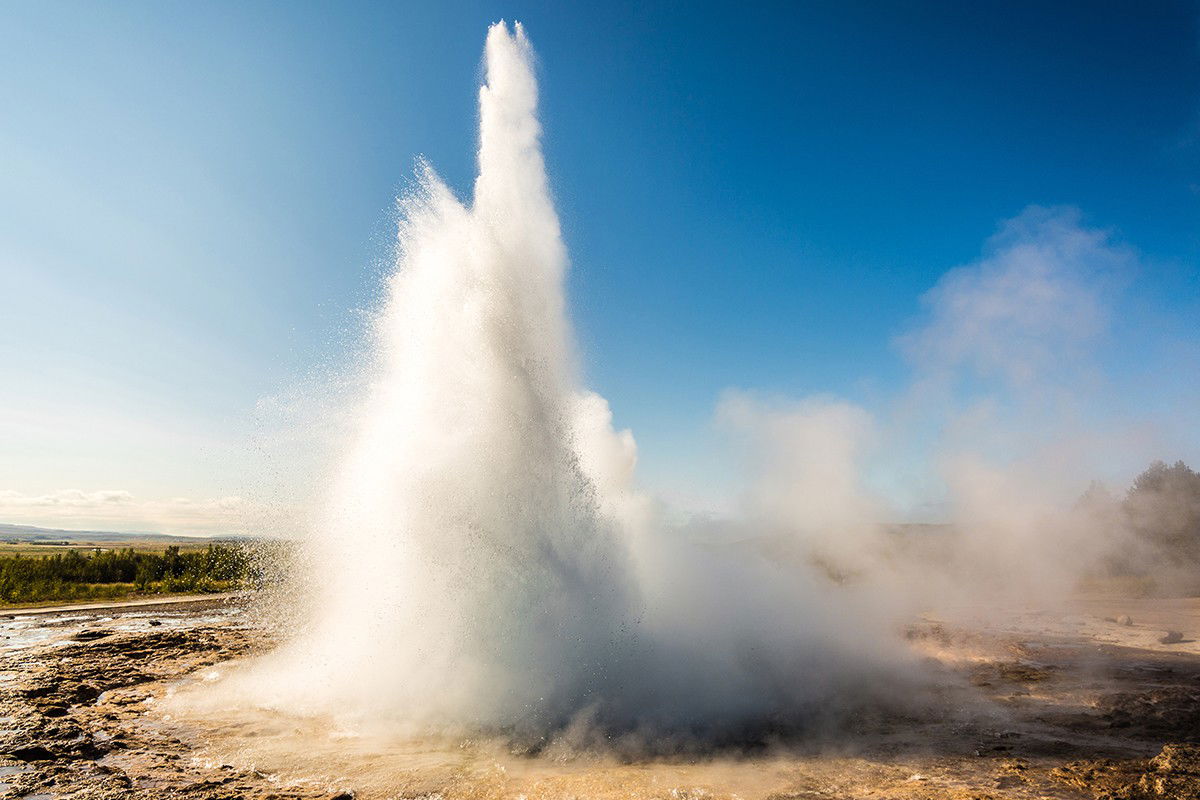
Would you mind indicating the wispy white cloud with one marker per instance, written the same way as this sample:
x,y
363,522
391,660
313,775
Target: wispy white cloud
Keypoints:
x,y
65,498
120,510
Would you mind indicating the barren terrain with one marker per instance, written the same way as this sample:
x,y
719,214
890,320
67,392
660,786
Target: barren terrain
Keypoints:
x,y
1078,704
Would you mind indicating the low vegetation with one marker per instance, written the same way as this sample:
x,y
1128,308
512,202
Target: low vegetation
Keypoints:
x,y
100,574
1153,528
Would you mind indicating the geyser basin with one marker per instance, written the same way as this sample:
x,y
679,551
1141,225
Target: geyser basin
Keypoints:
x,y
485,563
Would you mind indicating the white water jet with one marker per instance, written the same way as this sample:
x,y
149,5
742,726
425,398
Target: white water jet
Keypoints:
x,y
465,556
485,563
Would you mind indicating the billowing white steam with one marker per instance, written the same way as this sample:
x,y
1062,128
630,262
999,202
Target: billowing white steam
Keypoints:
x,y
485,562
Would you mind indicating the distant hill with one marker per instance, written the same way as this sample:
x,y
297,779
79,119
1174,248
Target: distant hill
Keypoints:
x,y
30,533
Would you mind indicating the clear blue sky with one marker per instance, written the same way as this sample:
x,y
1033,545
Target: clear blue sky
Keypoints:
x,y
196,197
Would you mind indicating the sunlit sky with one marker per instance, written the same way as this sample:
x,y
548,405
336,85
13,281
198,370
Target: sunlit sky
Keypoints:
x,y
197,202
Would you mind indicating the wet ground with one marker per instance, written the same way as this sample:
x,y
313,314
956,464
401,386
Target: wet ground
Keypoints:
x,y
1085,704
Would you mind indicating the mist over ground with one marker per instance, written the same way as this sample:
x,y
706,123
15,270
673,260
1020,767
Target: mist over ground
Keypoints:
x,y
487,561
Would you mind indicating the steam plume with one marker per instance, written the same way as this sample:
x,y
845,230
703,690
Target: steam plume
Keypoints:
x,y
485,562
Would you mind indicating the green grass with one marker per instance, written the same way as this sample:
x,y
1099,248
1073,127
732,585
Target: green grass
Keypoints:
x,y
84,593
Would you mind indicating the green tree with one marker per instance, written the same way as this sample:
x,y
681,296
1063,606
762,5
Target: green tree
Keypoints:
x,y
1163,507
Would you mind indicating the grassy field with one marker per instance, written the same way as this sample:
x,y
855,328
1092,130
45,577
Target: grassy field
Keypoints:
x,y
49,548
117,592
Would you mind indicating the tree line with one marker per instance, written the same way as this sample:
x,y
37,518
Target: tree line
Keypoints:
x,y
1153,527
103,574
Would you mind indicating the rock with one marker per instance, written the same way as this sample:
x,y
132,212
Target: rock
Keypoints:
x,y
1172,637
91,749
343,796
54,711
32,753
1125,620
91,634
154,623
1173,773
1178,758
85,693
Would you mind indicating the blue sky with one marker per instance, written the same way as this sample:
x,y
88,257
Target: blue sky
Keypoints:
x,y
196,199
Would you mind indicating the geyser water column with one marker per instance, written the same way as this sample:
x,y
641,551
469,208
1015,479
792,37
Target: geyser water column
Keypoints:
x,y
465,575
484,565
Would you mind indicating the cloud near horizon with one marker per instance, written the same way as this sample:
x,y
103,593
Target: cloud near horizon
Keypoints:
x,y
122,511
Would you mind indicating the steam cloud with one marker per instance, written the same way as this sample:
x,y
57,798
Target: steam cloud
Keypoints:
x,y
487,563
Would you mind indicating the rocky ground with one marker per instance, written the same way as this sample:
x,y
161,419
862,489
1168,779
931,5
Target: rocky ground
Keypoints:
x,y
1100,709
74,705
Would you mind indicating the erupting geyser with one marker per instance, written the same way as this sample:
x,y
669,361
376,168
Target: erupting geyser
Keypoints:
x,y
484,564
490,571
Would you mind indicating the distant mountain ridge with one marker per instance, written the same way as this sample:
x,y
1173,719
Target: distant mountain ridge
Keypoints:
x,y
32,533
